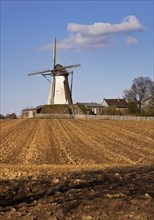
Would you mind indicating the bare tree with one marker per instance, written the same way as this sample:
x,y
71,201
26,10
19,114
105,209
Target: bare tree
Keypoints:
x,y
150,106
140,91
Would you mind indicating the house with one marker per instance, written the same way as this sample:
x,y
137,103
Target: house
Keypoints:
x,y
92,106
120,104
31,112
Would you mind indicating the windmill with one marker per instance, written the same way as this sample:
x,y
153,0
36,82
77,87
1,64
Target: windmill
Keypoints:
x,y
60,90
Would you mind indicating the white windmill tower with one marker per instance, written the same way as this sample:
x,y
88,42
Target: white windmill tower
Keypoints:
x,y
60,91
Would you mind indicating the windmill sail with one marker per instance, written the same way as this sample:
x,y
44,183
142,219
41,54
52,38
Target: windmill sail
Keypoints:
x,y
71,66
41,72
60,90
54,54
71,81
52,87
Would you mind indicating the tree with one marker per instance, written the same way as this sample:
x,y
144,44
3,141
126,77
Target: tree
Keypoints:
x,y
150,106
11,116
139,92
132,108
2,116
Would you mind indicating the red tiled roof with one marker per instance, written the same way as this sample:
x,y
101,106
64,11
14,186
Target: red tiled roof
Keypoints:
x,y
120,103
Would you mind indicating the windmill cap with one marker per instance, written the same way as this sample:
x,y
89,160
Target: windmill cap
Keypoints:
x,y
60,70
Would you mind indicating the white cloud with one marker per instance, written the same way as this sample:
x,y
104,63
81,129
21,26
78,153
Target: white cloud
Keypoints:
x,y
98,35
128,24
131,40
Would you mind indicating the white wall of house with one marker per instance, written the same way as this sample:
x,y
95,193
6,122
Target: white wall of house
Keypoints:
x,y
30,114
94,110
104,103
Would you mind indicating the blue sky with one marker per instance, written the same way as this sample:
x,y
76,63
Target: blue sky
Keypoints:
x,y
112,40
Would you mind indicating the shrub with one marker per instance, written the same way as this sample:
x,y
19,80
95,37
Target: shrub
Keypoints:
x,y
132,108
111,111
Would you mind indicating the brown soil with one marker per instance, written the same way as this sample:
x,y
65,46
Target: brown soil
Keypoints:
x,y
76,169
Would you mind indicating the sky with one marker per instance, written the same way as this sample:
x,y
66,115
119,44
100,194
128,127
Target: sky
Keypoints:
x,y
112,40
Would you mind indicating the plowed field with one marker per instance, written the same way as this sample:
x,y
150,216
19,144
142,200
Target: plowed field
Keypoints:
x,y
72,169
